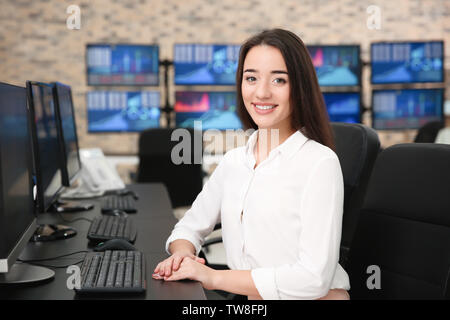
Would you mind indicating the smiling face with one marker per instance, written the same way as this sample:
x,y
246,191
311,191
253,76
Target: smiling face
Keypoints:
x,y
266,89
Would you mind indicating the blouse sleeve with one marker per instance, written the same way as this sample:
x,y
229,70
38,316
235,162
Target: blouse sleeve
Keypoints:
x,y
320,212
204,214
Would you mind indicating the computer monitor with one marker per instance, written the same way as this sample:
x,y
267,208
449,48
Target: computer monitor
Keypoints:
x,y
343,106
215,110
47,144
205,64
336,65
407,62
122,64
406,108
17,218
122,111
62,95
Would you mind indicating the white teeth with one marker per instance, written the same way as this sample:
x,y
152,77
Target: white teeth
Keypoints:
x,y
264,107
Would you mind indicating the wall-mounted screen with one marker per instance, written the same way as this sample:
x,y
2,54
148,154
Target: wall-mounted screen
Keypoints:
x,y
337,65
406,108
205,64
122,64
407,62
121,111
215,110
343,106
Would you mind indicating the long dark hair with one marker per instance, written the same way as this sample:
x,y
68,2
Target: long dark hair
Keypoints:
x,y
309,112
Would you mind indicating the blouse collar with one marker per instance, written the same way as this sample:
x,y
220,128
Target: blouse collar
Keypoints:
x,y
288,148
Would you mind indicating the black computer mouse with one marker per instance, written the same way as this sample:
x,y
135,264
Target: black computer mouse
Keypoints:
x,y
115,212
114,244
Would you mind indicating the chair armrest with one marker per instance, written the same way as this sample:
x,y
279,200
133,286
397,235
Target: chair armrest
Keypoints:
x,y
212,241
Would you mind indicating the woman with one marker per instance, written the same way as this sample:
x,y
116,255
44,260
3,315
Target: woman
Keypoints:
x,y
279,198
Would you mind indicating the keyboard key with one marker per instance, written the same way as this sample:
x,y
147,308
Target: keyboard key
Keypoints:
x,y
111,274
119,274
137,269
104,269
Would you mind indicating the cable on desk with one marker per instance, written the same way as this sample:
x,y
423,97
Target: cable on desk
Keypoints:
x,y
72,220
54,258
33,261
51,266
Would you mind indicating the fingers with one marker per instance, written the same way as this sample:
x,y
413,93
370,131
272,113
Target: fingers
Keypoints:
x,y
158,267
201,260
176,263
156,276
166,268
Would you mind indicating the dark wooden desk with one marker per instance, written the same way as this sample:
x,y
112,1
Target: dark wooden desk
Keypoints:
x,y
154,220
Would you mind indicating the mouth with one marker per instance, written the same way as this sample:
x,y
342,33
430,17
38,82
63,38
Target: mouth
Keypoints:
x,y
264,108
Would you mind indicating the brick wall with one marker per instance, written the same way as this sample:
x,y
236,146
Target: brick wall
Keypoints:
x,y
35,43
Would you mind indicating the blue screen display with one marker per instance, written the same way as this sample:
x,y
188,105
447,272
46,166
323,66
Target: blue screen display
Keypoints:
x,y
215,110
406,108
198,64
120,111
343,106
336,65
407,62
122,65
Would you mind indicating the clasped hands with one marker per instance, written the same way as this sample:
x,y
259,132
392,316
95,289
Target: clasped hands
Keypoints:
x,y
185,266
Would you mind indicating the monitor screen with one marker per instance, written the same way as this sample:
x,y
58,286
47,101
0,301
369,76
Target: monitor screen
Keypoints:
x,y
201,64
47,144
63,99
122,64
121,111
406,108
215,110
16,200
407,62
337,65
343,106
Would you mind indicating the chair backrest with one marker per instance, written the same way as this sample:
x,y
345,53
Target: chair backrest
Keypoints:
x,y
357,147
404,226
183,181
429,131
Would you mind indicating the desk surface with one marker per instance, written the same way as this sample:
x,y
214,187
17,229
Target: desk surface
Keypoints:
x,y
154,221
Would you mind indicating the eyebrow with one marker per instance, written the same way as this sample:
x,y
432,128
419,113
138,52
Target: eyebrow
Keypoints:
x,y
273,71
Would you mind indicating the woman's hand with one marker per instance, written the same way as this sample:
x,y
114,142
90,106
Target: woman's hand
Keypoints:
x,y
165,268
192,269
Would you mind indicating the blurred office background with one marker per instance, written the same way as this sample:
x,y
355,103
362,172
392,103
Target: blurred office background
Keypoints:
x,y
36,44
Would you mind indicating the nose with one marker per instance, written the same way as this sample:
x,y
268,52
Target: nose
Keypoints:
x,y
263,90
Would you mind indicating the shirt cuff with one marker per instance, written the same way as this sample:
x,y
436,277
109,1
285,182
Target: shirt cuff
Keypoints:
x,y
264,279
183,236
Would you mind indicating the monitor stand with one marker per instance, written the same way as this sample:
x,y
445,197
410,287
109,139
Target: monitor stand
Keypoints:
x,y
22,273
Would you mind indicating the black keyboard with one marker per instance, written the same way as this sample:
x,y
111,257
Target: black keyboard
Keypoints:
x,y
125,203
112,227
113,271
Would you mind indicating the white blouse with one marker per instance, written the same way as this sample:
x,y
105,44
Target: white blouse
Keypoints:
x,y
281,220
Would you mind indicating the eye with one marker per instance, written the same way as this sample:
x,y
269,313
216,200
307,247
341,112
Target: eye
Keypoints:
x,y
279,81
250,79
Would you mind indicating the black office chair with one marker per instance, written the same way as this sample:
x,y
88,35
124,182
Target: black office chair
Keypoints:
x,y
183,181
357,147
429,131
404,226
